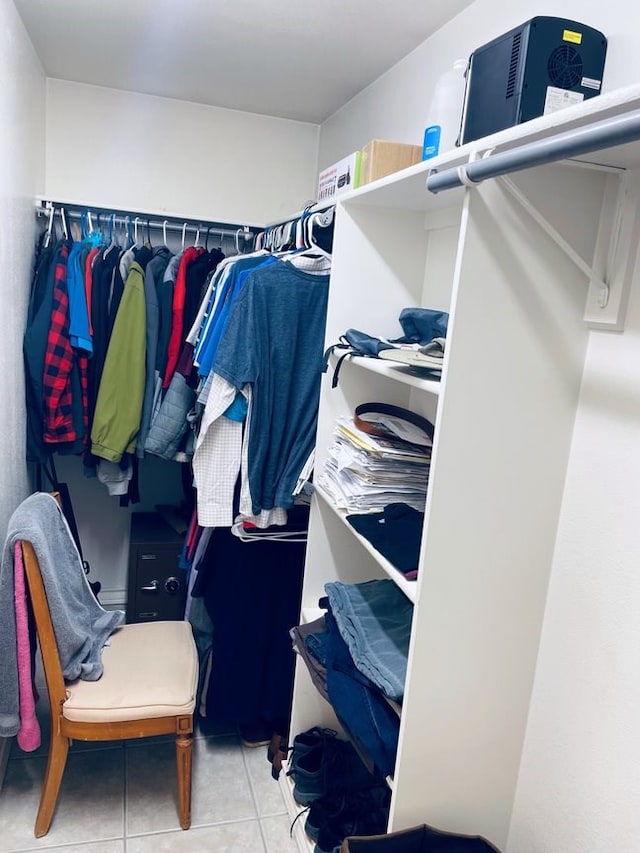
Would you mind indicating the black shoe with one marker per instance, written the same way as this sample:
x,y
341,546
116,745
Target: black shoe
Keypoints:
x,y
344,770
305,765
322,812
363,813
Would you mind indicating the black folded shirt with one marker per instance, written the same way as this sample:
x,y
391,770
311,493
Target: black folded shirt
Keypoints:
x,y
395,532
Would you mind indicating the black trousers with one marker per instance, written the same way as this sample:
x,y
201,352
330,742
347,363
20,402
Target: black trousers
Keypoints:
x,y
252,592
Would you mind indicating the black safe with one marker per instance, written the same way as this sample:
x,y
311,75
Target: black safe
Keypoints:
x,y
157,588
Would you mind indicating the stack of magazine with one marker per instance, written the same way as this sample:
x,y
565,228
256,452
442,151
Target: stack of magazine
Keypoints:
x,y
365,473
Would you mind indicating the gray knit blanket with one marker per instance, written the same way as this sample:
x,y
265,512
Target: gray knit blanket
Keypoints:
x,y
81,625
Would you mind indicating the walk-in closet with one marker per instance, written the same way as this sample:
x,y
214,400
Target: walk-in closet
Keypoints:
x,y
356,420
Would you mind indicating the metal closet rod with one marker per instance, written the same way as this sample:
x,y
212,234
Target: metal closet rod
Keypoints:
x,y
102,216
592,137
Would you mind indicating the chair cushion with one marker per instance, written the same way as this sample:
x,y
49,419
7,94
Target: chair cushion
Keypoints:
x,y
150,670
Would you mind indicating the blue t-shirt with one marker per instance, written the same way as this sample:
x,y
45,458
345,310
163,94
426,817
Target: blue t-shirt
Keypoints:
x,y
214,326
274,339
79,334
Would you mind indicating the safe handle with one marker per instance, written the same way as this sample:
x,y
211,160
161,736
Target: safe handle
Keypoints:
x,y
150,587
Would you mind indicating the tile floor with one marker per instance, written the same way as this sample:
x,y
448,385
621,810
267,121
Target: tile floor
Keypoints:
x,y
120,797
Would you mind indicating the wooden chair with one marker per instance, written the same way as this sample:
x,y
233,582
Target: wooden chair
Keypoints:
x,y
148,688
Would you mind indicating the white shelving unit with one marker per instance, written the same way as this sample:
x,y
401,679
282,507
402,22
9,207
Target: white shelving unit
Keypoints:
x,y
503,415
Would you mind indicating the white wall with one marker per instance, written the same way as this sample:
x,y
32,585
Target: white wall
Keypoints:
x,y
22,110
145,152
141,151
395,106
22,107
579,785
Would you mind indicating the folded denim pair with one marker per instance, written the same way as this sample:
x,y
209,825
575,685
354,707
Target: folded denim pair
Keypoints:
x,y
374,620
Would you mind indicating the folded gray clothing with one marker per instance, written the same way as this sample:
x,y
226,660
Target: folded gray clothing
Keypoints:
x,y
80,624
317,671
374,620
430,355
434,348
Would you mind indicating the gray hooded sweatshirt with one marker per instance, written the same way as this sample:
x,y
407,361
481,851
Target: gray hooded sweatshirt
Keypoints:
x,y
80,624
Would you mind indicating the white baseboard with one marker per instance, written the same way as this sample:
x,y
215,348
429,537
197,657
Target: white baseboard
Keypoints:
x,y
113,599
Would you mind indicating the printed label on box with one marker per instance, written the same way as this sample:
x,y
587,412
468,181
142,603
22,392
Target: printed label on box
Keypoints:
x,y
558,99
339,178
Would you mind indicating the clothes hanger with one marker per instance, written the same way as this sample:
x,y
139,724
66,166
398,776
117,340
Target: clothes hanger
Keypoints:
x,y
128,235
164,232
206,239
149,234
195,242
308,231
135,231
111,240
52,212
288,233
64,223
324,220
237,528
184,234
94,236
246,235
313,249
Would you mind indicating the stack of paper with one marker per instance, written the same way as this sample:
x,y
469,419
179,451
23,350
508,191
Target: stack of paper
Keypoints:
x,y
364,473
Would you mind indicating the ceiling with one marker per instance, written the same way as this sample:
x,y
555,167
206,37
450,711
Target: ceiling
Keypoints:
x,y
297,59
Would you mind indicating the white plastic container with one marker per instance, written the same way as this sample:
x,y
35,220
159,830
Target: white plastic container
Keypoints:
x,y
445,113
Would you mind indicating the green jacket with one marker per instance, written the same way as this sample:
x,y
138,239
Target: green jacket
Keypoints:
x,y
119,405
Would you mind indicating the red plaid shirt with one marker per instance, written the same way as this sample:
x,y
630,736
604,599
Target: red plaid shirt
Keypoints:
x,y
58,361
83,367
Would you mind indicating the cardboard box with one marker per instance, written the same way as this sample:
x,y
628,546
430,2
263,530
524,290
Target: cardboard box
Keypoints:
x,y
380,158
339,178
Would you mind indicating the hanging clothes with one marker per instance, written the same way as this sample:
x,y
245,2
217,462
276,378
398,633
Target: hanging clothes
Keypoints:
x,y
106,328
35,345
177,320
272,342
153,277
119,404
59,427
252,596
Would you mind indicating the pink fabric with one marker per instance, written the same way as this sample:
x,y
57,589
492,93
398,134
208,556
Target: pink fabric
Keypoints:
x,y
29,733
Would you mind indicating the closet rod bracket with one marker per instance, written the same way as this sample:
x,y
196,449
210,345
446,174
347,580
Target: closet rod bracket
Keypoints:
x,y
516,193
615,255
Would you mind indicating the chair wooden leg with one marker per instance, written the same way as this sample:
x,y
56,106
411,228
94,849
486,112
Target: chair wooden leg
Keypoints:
x,y
56,762
184,755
